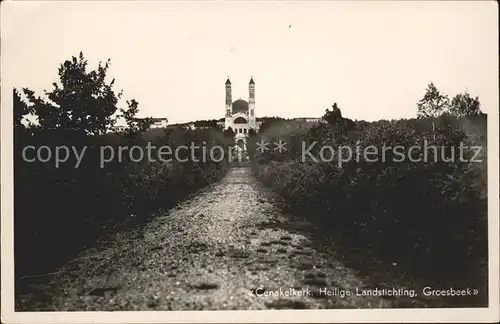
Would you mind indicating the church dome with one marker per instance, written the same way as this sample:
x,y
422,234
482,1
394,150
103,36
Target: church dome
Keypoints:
x,y
240,105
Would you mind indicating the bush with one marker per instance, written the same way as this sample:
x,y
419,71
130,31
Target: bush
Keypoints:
x,y
429,216
58,210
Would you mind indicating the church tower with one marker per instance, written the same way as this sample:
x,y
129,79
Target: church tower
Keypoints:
x,y
251,105
229,101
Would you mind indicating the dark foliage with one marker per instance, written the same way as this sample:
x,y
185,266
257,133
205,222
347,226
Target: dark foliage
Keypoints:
x,y
61,209
206,123
429,217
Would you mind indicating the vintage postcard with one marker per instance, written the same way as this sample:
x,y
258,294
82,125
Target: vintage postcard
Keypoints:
x,y
249,161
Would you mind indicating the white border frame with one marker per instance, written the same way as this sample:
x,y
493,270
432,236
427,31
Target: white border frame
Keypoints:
x,y
458,315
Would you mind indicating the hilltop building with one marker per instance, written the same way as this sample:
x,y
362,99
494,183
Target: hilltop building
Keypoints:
x,y
313,120
156,123
159,123
240,114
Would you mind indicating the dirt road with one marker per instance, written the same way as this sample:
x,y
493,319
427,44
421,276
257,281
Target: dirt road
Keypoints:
x,y
209,253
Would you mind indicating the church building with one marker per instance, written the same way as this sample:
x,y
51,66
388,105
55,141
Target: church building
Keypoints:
x,y
240,114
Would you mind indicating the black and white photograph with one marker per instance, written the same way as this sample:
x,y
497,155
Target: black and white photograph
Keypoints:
x,y
253,161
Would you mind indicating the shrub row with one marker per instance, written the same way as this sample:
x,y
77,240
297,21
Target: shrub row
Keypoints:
x,y
59,211
428,216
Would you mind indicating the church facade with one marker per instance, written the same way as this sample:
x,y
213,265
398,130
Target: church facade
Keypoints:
x,y
240,114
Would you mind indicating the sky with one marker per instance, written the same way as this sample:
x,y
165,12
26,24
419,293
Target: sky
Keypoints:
x,y
374,59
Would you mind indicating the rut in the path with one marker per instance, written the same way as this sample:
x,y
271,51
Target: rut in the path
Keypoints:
x,y
210,252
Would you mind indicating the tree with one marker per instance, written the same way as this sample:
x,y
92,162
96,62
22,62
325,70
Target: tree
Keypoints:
x,y
83,101
464,105
339,126
135,125
251,143
433,103
333,117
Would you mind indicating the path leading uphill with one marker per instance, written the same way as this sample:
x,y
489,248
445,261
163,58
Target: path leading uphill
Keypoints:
x,y
208,253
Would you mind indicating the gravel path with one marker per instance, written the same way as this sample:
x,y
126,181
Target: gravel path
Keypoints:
x,y
207,253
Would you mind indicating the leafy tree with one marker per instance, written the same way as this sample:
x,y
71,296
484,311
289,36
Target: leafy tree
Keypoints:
x,y
465,105
135,125
334,116
83,101
433,103
340,125
251,145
